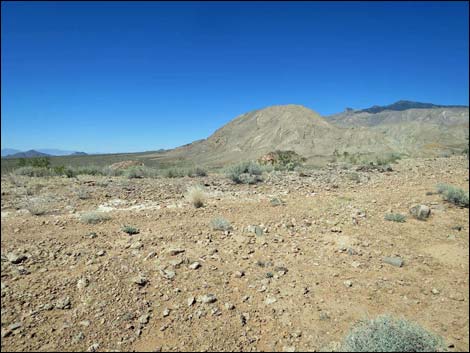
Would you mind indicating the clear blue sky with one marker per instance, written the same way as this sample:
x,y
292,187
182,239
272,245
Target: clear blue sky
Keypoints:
x,y
136,76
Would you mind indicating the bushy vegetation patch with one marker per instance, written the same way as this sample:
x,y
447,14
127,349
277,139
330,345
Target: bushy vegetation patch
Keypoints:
x,y
387,334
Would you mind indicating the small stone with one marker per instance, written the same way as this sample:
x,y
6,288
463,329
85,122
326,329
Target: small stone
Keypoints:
x,y
137,245
140,280
63,303
100,253
270,300
85,323
176,251
168,274
191,301
229,306
78,337
347,283
288,349
144,319
239,274
420,212
208,299
83,283
92,235
194,265
394,261
435,291
336,230
16,259
166,312
93,347
15,326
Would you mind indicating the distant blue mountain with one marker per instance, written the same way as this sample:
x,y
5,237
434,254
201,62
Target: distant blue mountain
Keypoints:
x,y
14,153
405,105
9,151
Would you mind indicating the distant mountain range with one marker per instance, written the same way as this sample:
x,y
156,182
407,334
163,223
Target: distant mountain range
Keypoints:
x,y
43,152
405,105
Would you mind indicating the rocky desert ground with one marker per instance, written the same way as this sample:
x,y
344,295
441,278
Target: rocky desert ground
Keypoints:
x,y
302,261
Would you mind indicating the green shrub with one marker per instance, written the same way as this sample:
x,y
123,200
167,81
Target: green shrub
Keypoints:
x,y
37,162
33,171
130,230
387,334
196,172
94,217
453,194
245,173
220,224
395,217
37,207
88,170
175,173
111,172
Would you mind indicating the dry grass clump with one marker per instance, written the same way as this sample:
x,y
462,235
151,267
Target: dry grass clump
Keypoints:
x,y
94,217
387,334
196,196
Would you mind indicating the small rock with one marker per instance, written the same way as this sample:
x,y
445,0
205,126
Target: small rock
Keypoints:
x,y
100,253
229,306
336,230
166,312
191,301
208,299
168,274
435,291
63,303
83,283
136,245
270,300
394,261
93,347
239,274
15,326
347,283
144,319
420,212
176,251
16,259
140,280
194,265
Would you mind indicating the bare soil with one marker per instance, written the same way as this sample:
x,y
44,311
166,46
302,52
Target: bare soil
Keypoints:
x,y
316,269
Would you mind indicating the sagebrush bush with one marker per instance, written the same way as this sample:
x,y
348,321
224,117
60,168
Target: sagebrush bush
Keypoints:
x,y
395,217
37,206
130,230
453,194
245,173
387,334
33,171
94,217
196,196
175,173
220,224
107,171
196,172
83,194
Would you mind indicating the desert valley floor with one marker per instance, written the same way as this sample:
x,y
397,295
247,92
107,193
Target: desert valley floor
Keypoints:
x,y
298,281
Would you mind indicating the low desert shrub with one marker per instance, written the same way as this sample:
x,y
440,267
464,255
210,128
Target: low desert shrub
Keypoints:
x,y
83,194
453,194
220,224
387,334
111,171
395,217
130,230
33,171
94,217
37,207
196,172
175,173
196,196
245,173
